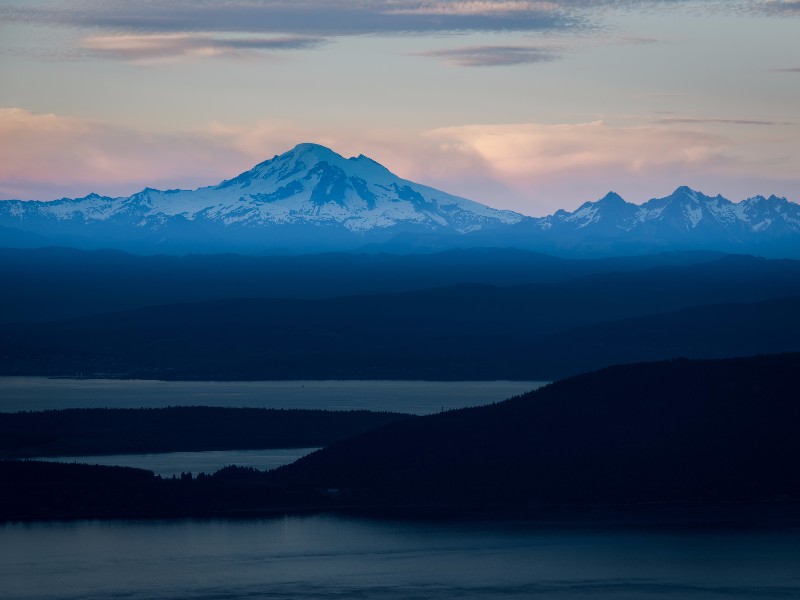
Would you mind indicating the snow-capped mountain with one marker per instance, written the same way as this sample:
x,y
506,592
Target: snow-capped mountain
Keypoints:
x,y
307,198
686,219
312,199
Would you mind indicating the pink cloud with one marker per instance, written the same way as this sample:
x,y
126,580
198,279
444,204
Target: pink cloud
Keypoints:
x,y
46,156
529,167
43,156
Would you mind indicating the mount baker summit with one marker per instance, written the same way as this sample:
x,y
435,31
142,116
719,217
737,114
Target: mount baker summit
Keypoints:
x,y
313,199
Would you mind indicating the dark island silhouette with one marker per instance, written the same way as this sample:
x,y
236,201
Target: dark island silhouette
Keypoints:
x,y
95,431
710,432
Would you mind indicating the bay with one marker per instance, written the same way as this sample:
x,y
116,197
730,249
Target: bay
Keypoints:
x,y
325,556
168,464
417,397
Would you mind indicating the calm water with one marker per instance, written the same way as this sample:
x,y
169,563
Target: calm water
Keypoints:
x,y
174,463
418,397
327,557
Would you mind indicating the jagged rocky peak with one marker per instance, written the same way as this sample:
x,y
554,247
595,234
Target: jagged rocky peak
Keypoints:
x,y
614,204
687,194
684,191
772,200
612,198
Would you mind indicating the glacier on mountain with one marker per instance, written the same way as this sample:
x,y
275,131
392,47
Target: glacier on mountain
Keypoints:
x,y
312,199
310,184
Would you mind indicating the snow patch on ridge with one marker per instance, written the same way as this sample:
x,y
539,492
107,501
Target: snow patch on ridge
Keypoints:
x,y
694,215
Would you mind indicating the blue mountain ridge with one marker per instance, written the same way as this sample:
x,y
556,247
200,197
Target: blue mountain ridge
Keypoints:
x,y
312,199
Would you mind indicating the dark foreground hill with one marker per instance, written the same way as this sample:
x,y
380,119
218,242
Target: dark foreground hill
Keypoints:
x,y
681,431
712,431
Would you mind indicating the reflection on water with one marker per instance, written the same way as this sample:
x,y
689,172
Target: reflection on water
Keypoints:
x,y
324,557
168,464
418,397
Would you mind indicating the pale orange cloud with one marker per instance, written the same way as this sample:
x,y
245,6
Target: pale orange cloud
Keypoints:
x,y
156,48
560,165
530,151
482,8
43,156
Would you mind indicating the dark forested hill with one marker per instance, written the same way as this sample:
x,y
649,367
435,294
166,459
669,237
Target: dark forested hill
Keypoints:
x,y
681,430
120,431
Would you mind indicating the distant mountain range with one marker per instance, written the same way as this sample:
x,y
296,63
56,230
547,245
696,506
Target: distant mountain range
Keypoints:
x,y
686,219
312,199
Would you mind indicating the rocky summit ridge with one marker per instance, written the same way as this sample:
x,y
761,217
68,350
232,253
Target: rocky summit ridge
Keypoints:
x,y
686,219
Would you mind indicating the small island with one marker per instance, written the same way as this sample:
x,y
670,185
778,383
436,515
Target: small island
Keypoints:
x,y
708,433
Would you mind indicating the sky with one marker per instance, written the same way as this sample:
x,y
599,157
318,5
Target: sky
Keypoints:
x,y
524,105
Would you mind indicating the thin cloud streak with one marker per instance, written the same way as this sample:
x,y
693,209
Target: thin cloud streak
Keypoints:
x,y
49,54
492,56
301,17
781,7
203,45
345,17
692,120
484,8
